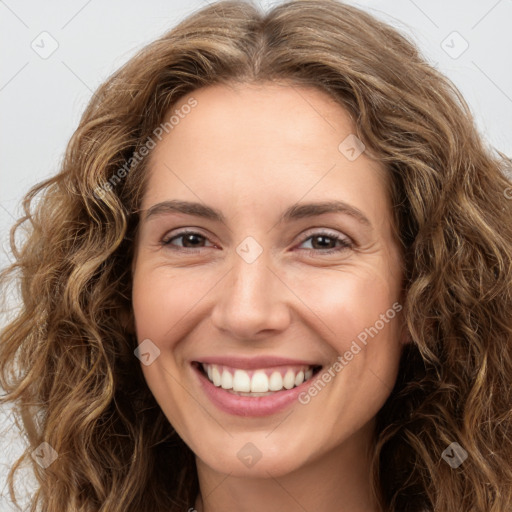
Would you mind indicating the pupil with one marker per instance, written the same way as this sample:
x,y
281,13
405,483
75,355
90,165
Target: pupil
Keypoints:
x,y
323,238
190,238
193,239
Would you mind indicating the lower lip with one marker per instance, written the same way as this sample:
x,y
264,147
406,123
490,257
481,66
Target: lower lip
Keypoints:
x,y
246,405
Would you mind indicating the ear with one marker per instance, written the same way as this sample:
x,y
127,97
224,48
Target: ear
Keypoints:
x,y
405,335
134,262
135,253
127,320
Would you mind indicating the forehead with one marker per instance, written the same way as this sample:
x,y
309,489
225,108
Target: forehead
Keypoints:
x,y
271,142
278,115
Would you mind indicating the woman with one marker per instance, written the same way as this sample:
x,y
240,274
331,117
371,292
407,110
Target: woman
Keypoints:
x,y
183,349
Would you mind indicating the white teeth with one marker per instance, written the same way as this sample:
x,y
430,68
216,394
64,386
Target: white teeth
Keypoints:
x,y
227,380
276,382
289,379
259,384
299,378
241,381
216,378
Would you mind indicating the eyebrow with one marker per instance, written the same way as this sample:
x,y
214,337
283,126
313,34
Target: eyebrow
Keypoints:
x,y
295,212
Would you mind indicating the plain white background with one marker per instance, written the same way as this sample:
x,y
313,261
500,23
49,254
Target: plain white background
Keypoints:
x,y
42,96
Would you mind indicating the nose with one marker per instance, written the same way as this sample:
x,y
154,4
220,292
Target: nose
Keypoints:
x,y
252,301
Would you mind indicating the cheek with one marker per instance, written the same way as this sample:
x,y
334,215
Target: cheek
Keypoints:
x,y
159,305
358,315
162,298
346,302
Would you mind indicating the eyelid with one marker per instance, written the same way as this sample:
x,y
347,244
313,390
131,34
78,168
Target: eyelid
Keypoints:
x,y
346,241
180,232
327,232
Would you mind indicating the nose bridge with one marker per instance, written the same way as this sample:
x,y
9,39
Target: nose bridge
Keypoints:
x,y
250,275
250,280
252,298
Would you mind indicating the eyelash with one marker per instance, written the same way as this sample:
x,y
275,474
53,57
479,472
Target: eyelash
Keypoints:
x,y
345,243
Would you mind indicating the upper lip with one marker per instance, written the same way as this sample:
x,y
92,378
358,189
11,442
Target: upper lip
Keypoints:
x,y
252,363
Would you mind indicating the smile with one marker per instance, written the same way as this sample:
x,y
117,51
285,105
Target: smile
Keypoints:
x,y
255,390
259,382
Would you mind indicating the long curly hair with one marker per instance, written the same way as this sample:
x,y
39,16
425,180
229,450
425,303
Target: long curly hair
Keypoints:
x,y
67,354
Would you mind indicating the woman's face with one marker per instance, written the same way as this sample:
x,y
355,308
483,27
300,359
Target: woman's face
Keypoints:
x,y
267,288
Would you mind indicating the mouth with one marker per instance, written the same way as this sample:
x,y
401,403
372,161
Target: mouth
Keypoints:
x,y
256,391
258,382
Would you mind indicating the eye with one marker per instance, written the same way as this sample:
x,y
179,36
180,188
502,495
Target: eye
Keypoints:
x,y
325,243
191,241
322,241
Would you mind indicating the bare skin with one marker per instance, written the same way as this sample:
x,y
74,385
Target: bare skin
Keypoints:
x,y
252,151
